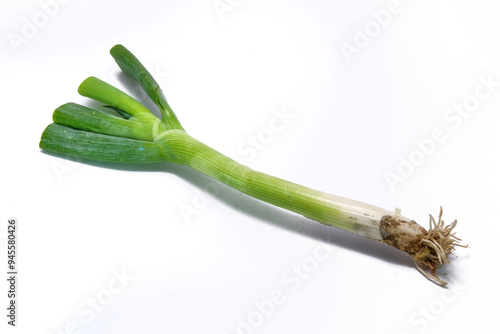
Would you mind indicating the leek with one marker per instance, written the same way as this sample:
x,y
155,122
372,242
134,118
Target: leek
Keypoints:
x,y
136,135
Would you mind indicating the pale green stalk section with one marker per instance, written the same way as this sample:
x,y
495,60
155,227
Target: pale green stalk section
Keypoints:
x,y
340,212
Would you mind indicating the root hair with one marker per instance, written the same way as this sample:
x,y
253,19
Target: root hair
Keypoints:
x,y
439,242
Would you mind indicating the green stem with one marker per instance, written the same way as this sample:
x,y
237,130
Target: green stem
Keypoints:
x,y
328,209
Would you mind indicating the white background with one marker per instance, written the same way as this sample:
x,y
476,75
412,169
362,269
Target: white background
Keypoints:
x,y
161,248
